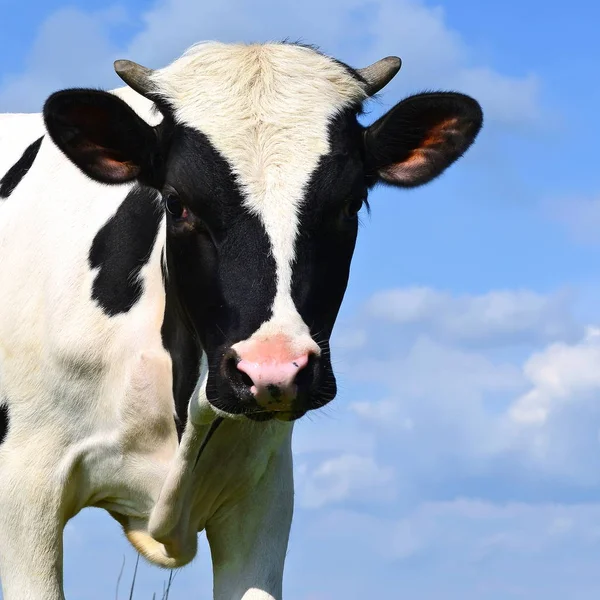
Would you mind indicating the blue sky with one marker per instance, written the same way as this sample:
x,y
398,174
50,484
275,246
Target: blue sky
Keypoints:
x,y
461,459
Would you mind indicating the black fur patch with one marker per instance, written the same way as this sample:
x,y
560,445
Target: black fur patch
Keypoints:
x,y
121,249
15,174
221,273
182,344
326,240
224,272
3,422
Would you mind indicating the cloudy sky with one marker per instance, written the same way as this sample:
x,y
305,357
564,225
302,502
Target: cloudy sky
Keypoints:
x,y
461,459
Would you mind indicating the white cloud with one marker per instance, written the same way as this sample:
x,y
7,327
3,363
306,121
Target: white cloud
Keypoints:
x,y
350,339
532,413
443,406
384,412
560,374
554,427
436,371
316,436
500,317
344,477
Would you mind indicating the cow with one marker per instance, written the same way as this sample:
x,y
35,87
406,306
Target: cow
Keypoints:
x,y
173,257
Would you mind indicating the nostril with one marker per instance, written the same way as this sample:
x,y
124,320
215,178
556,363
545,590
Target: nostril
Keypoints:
x,y
306,375
243,373
237,378
230,364
246,379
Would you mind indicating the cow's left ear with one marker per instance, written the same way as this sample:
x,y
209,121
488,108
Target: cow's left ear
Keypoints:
x,y
420,137
101,134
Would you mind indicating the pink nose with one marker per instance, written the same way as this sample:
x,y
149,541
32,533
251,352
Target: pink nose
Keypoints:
x,y
273,381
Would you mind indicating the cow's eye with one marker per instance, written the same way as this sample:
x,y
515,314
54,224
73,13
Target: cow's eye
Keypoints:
x,y
352,207
175,206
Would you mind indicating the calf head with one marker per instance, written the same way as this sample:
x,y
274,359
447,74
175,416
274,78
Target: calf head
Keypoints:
x,y
262,167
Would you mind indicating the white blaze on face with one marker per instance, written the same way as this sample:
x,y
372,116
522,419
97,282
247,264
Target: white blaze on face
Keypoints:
x,y
266,109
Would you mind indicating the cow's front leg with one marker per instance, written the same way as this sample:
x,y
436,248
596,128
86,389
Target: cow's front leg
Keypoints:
x,y
31,529
249,536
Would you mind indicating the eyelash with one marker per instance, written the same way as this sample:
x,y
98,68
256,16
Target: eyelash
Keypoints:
x,y
352,208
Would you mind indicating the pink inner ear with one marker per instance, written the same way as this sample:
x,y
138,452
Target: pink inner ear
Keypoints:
x,y
408,169
416,164
118,170
438,134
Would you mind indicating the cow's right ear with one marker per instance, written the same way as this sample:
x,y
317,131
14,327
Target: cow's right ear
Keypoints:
x,y
101,134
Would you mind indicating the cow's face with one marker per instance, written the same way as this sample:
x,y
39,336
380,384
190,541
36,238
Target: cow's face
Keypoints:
x,y
263,168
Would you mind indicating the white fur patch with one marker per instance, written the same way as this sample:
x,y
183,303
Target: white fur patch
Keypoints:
x,y
266,109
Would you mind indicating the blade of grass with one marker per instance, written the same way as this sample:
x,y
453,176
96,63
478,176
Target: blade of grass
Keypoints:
x,y
119,578
171,577
137,561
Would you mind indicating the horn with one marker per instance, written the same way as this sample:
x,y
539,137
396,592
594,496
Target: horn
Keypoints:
x,y
135,76
379,74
